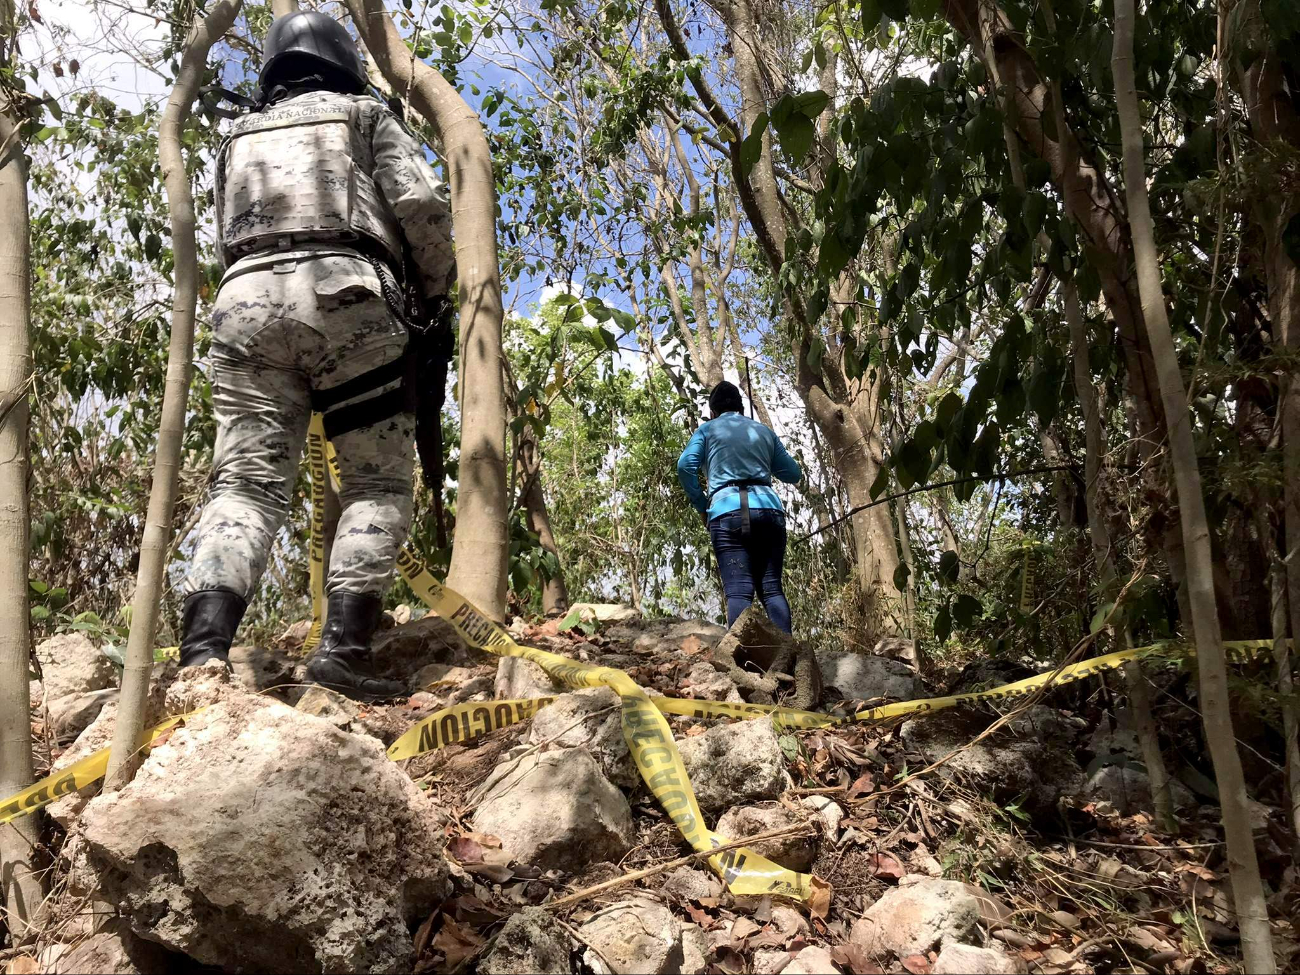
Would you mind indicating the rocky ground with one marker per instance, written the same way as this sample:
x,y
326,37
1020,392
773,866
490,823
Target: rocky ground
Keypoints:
x,y
270,833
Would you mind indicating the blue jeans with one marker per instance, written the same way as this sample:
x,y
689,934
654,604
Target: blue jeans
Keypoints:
x,y
752,564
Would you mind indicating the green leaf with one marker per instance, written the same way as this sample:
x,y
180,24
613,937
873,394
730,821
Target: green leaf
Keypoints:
x,y
833,255
817,305
1099,618
152,247
949,566
965,609
853,366
947,410
926,435
792,116
751,150
943,625
602,340
901,575
870,15
911,463
816,349
1035,212
114,653
1044,393
881,484
796,134
811,103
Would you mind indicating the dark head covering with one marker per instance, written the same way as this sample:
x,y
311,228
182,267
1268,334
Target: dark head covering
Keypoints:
x,y
308,41
725,398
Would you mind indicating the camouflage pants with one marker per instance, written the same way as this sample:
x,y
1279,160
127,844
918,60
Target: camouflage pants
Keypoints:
x,y
280,332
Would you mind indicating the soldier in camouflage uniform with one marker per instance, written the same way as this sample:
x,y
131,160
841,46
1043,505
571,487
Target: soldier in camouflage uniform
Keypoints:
x,y
319,195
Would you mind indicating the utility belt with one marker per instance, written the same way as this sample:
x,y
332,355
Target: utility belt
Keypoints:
x,y
744,487
421,369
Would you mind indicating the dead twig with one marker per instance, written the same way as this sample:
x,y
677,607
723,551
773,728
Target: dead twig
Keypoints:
x,y
629,878
576,936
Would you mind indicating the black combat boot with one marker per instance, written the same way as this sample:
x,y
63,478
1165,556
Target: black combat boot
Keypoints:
x,y
208,622
342,659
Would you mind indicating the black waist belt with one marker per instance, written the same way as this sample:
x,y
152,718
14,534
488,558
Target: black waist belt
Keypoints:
x,y
744,487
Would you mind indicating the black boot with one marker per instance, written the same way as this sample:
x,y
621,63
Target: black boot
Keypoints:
x,y
342,660
208,622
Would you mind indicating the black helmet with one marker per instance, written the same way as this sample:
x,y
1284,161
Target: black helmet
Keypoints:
x,y
315,37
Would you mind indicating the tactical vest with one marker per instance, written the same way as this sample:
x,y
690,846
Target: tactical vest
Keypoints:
x,y
299,173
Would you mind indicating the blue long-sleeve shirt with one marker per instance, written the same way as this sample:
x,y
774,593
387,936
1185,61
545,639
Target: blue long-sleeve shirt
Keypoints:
x,y
735,448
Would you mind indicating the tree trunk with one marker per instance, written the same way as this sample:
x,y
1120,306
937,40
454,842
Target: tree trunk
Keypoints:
x,y
909,591
1286,689
1139,697
1248,893
480,549
20,886
1272,109
874,546
282,8
555,595
171,429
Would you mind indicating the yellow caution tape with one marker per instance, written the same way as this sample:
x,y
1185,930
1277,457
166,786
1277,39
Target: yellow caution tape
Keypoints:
x,y
461,723
1237,650
81,773
466,722
316,446
648,736
1027,582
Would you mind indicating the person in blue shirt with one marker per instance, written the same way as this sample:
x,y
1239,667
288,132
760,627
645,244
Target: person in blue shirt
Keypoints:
x,y
745,517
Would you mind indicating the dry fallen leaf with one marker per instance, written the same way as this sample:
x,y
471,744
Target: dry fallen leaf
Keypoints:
x,y
855,958
916,964
886,865
864,785
465,850
728,961
743,928
1203,872
819,899
457,942
692,645
22,965
424,933
469,909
